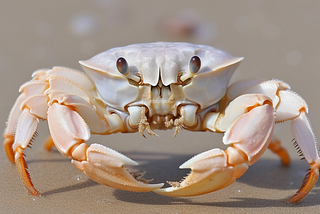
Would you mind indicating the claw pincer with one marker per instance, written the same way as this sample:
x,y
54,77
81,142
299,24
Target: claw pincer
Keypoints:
x,y
215,169
101,164
106,166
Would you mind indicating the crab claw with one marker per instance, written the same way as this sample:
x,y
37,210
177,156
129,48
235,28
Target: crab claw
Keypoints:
x,y
210,172
105,166
215,169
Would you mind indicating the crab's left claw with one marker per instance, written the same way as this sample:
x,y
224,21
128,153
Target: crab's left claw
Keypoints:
x,y
248,137
210,172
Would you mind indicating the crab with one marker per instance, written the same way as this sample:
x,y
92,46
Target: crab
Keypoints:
x,y
144,87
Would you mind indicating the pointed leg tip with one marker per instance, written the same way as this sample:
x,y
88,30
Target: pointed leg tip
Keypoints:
x,y
33,191
307,184
294,199
22,168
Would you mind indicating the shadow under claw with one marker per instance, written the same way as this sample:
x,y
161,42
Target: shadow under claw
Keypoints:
x,y
265,174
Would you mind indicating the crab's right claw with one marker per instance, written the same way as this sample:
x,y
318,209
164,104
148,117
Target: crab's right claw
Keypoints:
x,y
106,166
103,165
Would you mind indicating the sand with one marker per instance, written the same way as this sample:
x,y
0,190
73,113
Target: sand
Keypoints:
x,y
278,40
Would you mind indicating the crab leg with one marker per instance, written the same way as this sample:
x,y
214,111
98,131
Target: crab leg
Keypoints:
x,y
307,143
275,147
22,125
293,107
26,128
289,106
11,125
249,136
103,165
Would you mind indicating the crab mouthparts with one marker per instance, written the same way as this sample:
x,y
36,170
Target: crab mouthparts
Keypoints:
x,y
160,91
160,111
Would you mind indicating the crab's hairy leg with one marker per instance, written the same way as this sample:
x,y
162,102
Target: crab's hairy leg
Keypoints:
x,y
26,128
248,136
290,106
275,147
34,107
22,168
69,132
306,140
22,125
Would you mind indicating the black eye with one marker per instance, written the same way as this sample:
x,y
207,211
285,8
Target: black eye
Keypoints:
x,y
122,66
195,64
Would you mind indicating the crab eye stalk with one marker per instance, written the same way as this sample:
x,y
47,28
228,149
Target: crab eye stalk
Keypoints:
x,y
195,64
122,66
194,67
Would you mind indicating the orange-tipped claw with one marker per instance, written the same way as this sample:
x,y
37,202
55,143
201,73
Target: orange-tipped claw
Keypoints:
x,y
23,171
308,182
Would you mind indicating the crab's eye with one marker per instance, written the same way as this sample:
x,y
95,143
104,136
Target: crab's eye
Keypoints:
x,y
195,64
122,66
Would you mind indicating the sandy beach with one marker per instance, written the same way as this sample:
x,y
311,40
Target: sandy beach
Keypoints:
x,y
278,40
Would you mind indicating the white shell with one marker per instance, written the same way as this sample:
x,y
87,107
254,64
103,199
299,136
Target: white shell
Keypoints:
x,y
167,61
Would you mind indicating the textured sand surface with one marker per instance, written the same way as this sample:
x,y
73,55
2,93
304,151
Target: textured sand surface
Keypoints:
x,y
278,40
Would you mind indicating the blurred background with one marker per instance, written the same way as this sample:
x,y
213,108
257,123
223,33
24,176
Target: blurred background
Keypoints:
x,y
278,39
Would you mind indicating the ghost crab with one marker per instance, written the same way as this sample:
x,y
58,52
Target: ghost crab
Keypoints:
x,y
143,87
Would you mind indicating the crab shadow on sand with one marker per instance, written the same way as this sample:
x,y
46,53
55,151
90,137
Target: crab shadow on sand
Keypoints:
x,y
265,174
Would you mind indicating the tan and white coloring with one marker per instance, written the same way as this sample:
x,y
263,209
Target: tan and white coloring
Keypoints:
x,y
143,87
